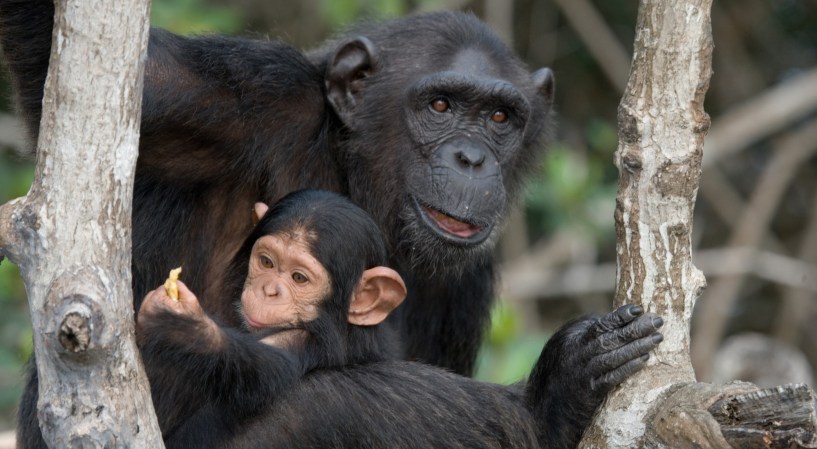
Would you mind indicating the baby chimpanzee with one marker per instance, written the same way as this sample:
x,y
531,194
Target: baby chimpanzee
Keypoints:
x,y
311,368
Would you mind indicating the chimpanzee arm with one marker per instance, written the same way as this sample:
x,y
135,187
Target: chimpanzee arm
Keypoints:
x,y
580,364
191,365
225,99
207,97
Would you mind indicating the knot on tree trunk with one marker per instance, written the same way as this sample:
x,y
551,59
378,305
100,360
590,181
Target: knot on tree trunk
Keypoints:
x,y
78,322
631,162
78,330
75,332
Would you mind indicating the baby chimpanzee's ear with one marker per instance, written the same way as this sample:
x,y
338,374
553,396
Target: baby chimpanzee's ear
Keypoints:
x,y
379,291
258,211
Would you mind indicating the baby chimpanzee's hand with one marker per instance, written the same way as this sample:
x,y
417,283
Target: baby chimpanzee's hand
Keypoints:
x,y
161,314
158,301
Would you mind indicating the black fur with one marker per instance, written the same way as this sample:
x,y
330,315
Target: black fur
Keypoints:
x,y
230,121
343,390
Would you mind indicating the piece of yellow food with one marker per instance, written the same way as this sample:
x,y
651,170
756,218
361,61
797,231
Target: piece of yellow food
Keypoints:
x,y
170,284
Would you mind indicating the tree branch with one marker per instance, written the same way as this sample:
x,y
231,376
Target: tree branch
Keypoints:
x,y
661,129
71,235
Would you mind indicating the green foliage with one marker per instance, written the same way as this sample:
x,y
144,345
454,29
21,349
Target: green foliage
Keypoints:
x,y
574,189
194,17
509,352
339,13
15,327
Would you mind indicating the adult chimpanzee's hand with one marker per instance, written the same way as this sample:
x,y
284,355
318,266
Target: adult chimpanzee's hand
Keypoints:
x,y
602,352
583,361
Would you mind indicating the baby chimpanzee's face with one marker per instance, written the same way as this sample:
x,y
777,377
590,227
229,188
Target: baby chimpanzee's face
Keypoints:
x,y
285,283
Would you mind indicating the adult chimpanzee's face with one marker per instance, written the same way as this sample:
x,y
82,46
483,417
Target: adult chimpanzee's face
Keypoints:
x,y
467,123
285,283
450,128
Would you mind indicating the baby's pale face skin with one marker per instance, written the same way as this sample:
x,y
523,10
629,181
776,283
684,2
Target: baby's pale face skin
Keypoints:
x,y
284,282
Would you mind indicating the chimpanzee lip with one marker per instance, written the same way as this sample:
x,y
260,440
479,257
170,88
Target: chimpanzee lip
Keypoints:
x,y
252,324
452,229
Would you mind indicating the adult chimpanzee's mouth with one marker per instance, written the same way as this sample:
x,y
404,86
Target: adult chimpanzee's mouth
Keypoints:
x,y
452,225
452,229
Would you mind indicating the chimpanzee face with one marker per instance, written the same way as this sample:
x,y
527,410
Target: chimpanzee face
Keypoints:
x,y
285,282
449,135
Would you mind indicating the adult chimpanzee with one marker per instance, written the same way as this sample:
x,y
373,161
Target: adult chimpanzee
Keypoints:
x,y
428,122
309,282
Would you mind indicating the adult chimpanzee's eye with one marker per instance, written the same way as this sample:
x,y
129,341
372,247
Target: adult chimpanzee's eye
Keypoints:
x,y
499,116
299,277
440,104
266,262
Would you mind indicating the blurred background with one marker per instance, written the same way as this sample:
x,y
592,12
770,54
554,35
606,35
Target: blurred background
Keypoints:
x,y
755,232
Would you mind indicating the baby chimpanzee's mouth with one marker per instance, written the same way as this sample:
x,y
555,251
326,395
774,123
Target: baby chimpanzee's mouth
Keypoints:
x,y
451,225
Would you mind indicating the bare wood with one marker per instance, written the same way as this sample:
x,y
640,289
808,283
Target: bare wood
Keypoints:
x,y
779,417
71,234
661,130
732,416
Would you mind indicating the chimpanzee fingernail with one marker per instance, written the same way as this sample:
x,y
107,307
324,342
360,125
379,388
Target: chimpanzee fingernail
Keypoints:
x,y
657,338
658,321
636,310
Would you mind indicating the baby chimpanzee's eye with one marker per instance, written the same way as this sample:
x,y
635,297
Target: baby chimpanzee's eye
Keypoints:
x,y
299,277
266,262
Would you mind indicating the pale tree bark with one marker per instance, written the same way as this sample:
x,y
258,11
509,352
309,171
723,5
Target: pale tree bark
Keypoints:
x,y
71,235
662,126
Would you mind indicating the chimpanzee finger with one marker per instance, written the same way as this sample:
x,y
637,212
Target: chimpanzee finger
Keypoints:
x,y
611,360
640,327
612,378
614,320
150,301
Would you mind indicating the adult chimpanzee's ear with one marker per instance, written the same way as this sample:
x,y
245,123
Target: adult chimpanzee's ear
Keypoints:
x,y
545,84
379,291
258,211
354,61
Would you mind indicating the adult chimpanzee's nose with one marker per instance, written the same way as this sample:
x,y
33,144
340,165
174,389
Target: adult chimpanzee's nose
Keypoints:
x,y
465,156
470,157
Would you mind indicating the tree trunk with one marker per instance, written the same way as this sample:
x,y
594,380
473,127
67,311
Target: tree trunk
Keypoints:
x,y
71,235
661,130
